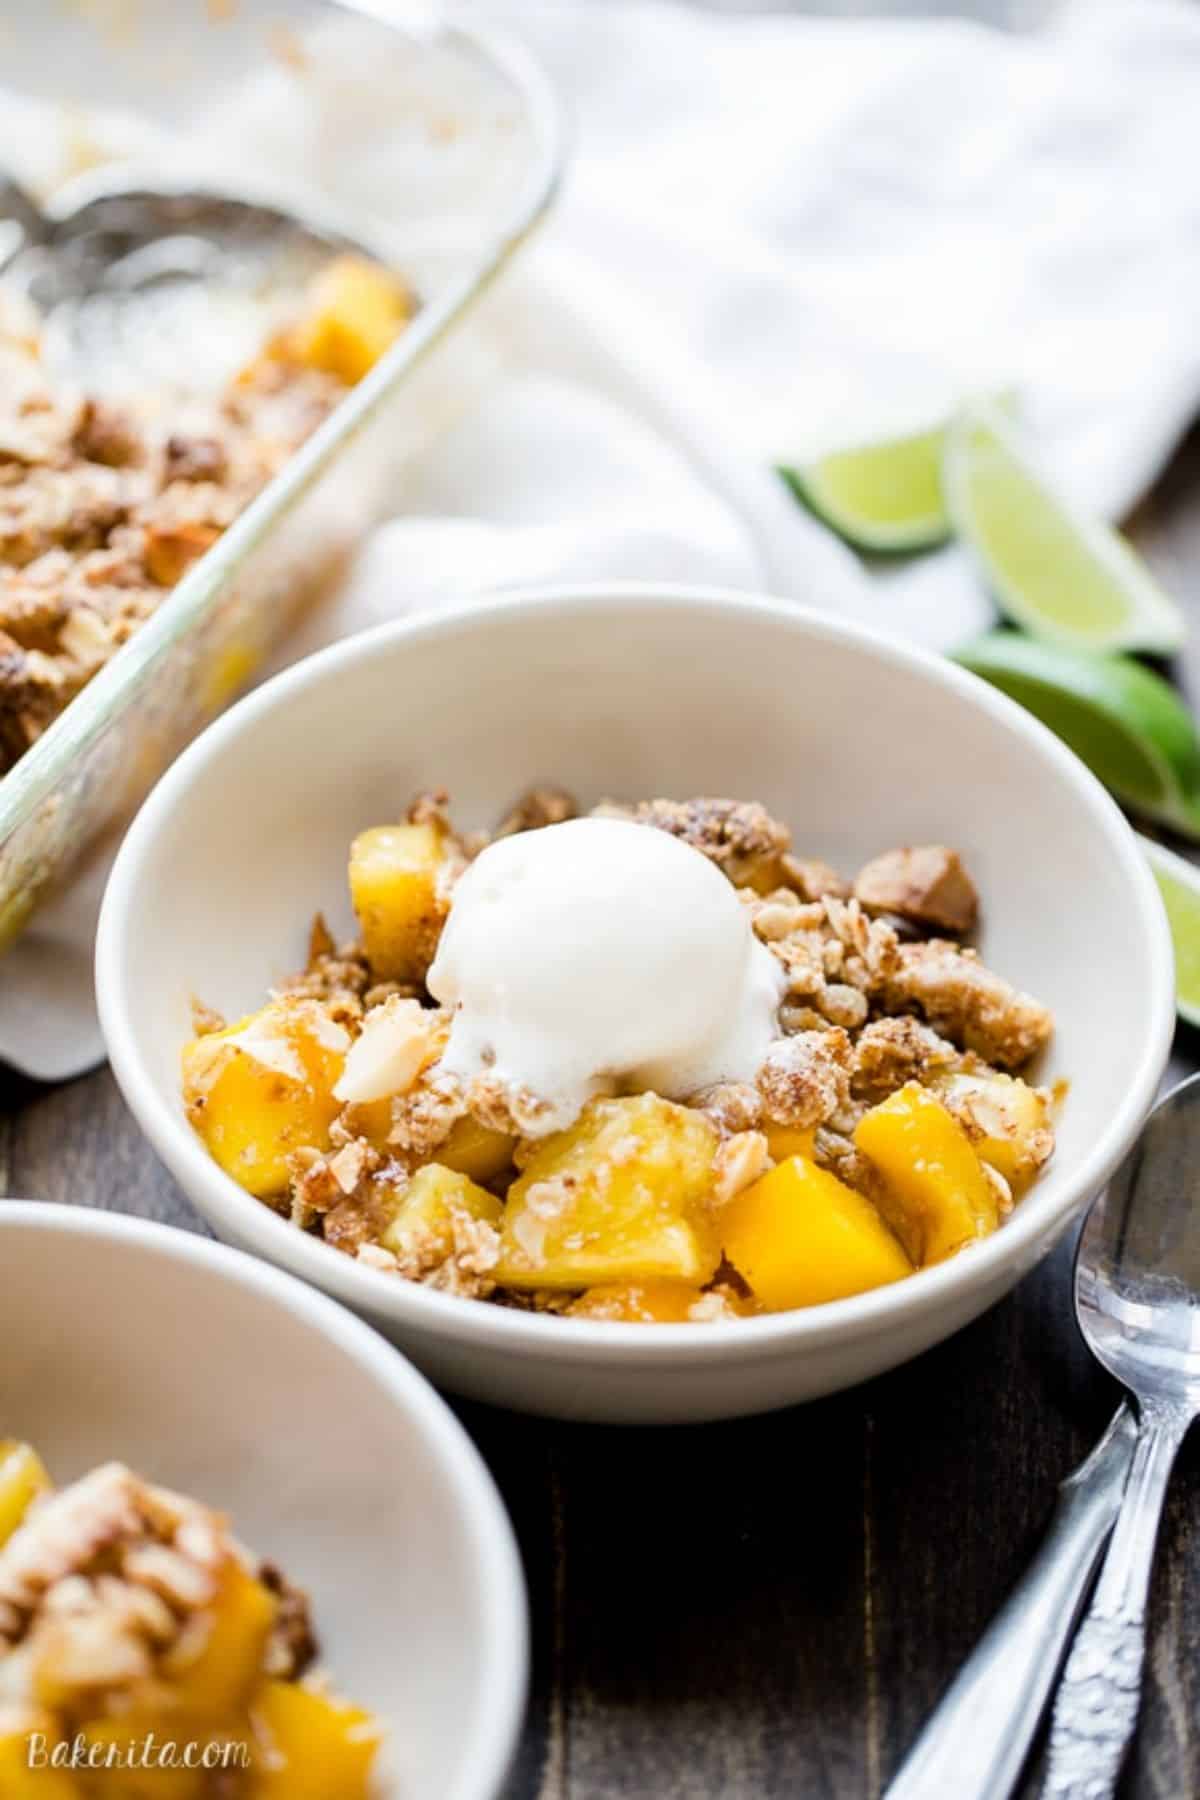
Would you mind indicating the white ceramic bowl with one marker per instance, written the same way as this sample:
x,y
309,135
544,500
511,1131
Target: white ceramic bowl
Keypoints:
x,y
222,1377
625,691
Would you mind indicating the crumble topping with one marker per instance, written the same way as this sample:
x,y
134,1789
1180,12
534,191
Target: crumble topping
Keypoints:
x,y
951,988
740,836
104,506
104,1595
868,1009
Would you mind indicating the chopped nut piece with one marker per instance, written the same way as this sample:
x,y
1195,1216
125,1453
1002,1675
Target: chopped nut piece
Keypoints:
x,y
732,1106
927,884
739,1160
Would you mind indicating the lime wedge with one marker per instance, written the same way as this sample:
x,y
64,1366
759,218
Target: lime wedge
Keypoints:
x,y
885,496
1179,884
1126,723
1064,577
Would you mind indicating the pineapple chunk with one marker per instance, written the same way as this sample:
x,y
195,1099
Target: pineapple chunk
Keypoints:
x,y
1007,1121
799,1236
395,887
620,1196
20,1781
476,1150
638,1302
22,1478
314,1746
423,1223
263,1088
934,1192
357,310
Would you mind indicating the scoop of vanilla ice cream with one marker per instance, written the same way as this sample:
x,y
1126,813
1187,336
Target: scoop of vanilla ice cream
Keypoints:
x,y
602,952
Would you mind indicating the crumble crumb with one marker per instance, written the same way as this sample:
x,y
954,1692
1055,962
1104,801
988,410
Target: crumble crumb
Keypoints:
x,y
965,1001
806,1079
926,884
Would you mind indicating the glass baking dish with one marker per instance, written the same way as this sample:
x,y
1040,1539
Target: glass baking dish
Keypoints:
x,y
438,144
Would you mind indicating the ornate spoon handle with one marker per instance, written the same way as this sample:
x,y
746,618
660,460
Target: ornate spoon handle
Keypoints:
x,y
976,1740
1096,1707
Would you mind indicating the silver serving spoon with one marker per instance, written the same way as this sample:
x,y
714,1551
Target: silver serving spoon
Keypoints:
x,y
143,277
1137,1297
1137,1287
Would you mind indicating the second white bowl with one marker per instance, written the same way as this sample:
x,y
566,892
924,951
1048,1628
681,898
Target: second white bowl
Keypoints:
x,y
219,1376
858,744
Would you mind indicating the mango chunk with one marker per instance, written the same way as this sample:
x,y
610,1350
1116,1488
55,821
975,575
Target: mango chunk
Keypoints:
x,y
638,1302
313,1746
934,1193
1008,1122
788,1140
423,1223
799,1236
356,311
395,888
262,1088
222,1678
621,1196
22,1478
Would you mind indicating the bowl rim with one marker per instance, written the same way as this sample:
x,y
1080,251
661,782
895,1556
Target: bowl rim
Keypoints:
x,y
496,1571
1036,1222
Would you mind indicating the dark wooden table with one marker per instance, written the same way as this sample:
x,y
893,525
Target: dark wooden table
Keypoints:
x,y
770,1608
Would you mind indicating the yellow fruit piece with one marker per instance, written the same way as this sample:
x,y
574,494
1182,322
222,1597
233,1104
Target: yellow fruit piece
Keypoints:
x,y
313,1745
394,886
621,1196
263,1088
1007,1121
638,1302
357,311
799,1236
22,1478
934,1192
221,1680
423,1224
371,1119
476,1150
786,1140
18,1781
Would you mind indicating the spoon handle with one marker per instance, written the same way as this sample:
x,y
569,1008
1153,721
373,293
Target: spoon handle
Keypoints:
x,y
1096,1708
975,1742
17,208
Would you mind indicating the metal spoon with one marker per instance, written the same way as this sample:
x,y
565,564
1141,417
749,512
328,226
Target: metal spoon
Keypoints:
x,y
975,1743
1137,1297
139,275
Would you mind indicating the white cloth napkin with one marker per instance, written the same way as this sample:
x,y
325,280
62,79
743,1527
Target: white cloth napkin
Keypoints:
x,y
779,233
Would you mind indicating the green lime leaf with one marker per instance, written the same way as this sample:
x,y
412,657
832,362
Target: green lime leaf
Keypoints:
x,y
1179,884
1066,578
1126,723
